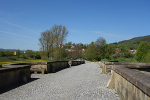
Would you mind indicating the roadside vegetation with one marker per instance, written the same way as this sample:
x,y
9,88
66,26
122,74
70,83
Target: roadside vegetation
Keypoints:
x,y
29,56
100,50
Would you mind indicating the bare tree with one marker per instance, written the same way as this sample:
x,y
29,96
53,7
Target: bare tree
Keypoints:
x,y
51,39
99,41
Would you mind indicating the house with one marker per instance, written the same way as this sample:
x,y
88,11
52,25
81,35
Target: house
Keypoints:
x,y
133,51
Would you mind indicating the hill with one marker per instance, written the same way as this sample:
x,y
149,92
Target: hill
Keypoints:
x,y
12,50
134,42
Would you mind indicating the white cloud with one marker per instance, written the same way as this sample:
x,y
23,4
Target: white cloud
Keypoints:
x,y
114,35
75,31
20,27
110,35
18,35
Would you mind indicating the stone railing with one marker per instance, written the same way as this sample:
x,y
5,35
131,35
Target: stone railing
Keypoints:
x,y
106,65
12,74
130,80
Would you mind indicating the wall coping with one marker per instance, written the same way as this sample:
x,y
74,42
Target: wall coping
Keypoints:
x,y
13,67
135,77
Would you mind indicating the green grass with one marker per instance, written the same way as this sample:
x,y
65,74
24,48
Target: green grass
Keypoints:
x,y
122,60
8,60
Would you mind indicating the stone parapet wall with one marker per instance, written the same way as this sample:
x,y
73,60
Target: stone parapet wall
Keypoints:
x,y
130,84
128,80
106,65
14,75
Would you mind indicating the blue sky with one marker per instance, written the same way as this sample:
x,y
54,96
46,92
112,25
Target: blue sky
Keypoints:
x,y
22,21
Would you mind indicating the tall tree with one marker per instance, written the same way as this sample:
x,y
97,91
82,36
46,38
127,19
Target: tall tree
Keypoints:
x,y
90,52
110,50
100,47
142,51
18,53
51,40
8,53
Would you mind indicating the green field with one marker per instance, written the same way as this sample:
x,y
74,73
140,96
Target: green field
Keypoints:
x,y
8,60
122,60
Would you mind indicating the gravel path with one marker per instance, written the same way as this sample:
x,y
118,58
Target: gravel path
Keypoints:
x,y
82,82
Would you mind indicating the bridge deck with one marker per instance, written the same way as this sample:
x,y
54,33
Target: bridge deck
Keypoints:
x,y
82,82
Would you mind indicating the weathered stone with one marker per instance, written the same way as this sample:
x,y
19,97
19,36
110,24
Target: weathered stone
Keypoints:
x,y
70,63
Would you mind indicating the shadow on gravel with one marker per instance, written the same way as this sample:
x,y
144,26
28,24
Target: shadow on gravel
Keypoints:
x,y
16,86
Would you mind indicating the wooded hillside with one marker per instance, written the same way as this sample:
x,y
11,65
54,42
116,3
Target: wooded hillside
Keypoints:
x,y
134,42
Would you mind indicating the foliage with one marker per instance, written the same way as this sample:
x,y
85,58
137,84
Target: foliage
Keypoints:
x,y
133,43
100,48
2,53
142,51
52,40
115,56
18,52
91,52
24,56
123,47
37,55
147,57
8,53
110,50
22,61
30,53
128,54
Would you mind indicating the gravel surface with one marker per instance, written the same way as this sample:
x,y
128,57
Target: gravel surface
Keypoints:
x,y
82,82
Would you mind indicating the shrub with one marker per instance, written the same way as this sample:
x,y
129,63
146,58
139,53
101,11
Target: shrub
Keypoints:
x,y
142,51
37,55
115,56
2,53
128,54
30,53
147,58
24,57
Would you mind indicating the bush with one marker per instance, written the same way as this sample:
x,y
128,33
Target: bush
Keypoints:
x,y
115,56
24,57
128,55
30,53
37,55
2,53
147,58
142,51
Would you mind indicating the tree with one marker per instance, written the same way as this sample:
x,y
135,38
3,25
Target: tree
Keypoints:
x,y
8,53
128,54
51,40
2,53
110,50
18,53
103,49
147,57
91,52
30,53
100,48
142,51
37,55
